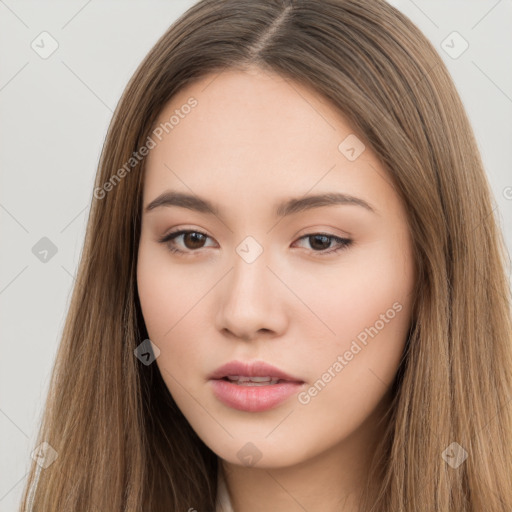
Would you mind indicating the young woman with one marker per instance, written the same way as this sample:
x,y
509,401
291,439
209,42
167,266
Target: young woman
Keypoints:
x,y
292,294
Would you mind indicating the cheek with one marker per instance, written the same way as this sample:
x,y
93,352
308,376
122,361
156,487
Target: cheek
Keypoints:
x,y
157,298
345,299
365,312
165,293
171,303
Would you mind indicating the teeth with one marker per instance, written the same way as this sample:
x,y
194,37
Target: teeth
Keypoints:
x,y
252,381
242,378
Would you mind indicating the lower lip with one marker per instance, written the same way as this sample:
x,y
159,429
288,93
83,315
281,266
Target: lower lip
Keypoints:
x,y
253,398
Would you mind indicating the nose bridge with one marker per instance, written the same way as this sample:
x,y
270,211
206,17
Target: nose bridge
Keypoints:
x,y
250,250
250,273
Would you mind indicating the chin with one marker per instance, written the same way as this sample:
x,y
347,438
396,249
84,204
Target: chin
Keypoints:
x,y
258,452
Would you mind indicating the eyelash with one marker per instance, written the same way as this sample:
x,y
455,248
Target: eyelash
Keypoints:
x,y
344,243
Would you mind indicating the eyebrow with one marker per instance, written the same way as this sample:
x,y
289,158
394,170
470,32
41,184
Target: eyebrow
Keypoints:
x,y
283,209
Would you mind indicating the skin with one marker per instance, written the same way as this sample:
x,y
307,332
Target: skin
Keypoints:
x,y
253,140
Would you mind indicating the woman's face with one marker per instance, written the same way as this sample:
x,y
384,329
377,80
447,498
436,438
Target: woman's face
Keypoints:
x,y
271,271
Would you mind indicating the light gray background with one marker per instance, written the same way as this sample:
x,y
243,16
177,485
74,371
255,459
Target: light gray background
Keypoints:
x,y
55,113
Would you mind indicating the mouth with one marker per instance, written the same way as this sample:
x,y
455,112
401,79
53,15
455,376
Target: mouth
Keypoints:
x,y
253,387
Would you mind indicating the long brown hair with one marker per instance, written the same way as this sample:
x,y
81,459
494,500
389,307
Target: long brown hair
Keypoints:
x,y
122,443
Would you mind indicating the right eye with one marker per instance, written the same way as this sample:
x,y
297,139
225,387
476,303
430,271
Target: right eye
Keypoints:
x,y
193,238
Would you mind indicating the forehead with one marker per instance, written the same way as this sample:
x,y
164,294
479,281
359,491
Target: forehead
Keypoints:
x,y
255,134
233,105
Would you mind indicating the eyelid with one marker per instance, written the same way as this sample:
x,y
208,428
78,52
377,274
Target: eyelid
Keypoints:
x,y
171,235
326,230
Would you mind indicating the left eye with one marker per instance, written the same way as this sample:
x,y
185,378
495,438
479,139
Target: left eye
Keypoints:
x,y
195,240
321,240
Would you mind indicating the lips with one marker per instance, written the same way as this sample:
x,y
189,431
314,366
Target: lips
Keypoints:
x,y
253,386
241,369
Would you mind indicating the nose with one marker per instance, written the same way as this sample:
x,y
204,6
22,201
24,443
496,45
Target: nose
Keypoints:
x,y
251,301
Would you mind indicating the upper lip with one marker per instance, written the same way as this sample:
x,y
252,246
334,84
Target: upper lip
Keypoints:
x,y
252,369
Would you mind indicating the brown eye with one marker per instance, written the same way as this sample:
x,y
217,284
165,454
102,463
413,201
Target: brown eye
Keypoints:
x,y
320,243
192,240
